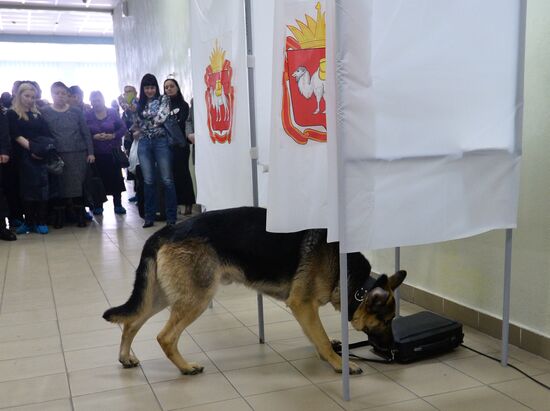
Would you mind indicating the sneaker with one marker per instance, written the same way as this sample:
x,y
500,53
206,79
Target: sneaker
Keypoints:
x,y
88,216
98,211
132,199
120,210
42,229
23,229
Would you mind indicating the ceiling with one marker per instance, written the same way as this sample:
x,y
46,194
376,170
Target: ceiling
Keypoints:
x,y
90,18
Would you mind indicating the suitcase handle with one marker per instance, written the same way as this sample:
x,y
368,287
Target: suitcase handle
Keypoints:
x,y
433,346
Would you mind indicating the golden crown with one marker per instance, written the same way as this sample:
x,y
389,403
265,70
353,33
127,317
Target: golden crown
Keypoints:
x,y
217,58
312,33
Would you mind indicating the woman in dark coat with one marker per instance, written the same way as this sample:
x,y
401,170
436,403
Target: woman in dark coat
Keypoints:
x,y
182,176
33,140
74,144
107,130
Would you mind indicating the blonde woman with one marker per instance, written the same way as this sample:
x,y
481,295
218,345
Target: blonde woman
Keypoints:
x,y
33,143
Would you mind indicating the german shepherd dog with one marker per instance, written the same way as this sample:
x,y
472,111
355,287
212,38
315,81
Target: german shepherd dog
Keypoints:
x,y
182,266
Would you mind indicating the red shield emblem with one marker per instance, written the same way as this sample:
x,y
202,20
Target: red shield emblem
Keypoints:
x,y
303,111
219,96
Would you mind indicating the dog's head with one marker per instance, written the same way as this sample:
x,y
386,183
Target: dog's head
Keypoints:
x,y
377,310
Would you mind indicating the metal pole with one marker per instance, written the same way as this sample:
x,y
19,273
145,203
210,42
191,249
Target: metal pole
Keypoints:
x,y
344,323
519,131
506,298
396,292
340,205
253,147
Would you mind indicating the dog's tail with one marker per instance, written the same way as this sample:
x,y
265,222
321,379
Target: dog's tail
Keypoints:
x,y
145,273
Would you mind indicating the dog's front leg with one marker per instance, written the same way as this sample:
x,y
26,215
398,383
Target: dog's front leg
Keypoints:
x,y
307,315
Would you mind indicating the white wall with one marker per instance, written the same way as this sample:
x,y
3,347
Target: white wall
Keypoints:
x,y
470,271
154,38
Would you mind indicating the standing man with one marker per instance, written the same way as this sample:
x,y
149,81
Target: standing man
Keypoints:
x,y
5,146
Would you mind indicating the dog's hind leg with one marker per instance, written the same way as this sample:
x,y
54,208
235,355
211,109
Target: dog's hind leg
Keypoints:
x,y
183,314
307,314
133,325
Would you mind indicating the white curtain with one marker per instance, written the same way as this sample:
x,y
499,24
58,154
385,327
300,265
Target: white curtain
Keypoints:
x,y
220,89
425,114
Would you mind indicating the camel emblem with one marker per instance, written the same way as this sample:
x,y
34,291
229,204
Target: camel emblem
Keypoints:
x,y
219,96
303,106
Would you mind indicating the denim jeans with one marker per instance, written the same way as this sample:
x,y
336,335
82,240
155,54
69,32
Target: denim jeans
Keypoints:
x,y
156,152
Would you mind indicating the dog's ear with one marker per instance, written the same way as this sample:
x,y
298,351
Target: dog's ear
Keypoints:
x,y
381,281
396,279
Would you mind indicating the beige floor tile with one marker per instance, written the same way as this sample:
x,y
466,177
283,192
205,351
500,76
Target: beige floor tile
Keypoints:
x,y
280,331
162,369
29,331
271,315
149,331
217,340
413,405
27,317
294,348
17,306
31,295
244,357
29,367
237,404
104,379
92,358
150,349
213,323
368,391
299,399
194,390
521,357
34,390
475,399
29,348
267,378
100,338
56,405
82,310
319,371
527,392
84,324
484,369
71,299
139,398
430,379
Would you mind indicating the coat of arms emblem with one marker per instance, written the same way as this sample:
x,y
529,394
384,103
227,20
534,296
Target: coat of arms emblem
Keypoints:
x,y
219,96
303,111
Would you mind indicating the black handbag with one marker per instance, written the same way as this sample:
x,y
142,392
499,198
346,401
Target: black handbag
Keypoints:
x,y
174,133
120,157
55,164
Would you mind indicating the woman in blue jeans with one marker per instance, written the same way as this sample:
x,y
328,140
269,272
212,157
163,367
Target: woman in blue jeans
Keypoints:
x,y
154,150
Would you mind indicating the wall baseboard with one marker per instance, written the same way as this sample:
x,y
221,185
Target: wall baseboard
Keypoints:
x,y
527,340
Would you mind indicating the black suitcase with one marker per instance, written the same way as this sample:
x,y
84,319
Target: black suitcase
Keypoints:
x,y
417,336
424,334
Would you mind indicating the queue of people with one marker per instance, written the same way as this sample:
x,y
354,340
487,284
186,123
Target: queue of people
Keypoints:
x,y
48,152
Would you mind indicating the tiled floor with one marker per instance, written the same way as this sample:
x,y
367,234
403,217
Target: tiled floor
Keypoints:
x,y
57,353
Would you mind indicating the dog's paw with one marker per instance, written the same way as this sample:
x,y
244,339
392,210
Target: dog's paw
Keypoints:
x,y
354,369
129,362
193,369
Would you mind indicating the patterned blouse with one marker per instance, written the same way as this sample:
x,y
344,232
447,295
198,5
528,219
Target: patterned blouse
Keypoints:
x,y
154,115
